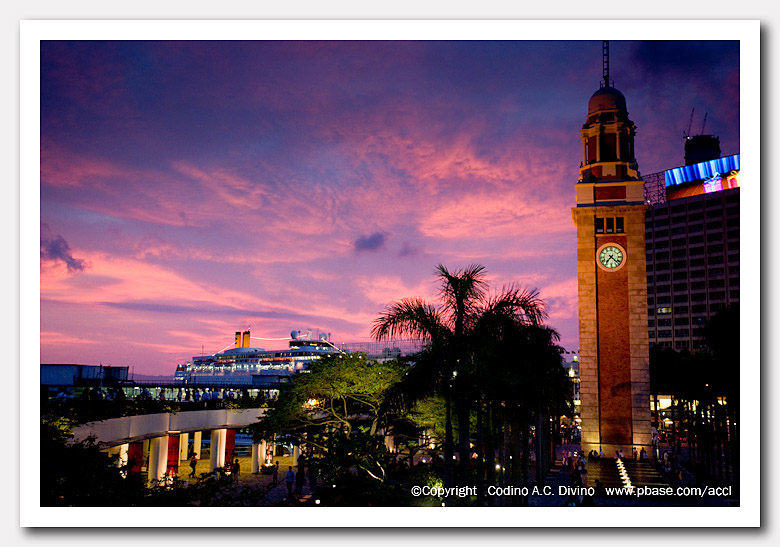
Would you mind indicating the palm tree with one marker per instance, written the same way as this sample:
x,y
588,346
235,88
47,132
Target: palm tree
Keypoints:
x,y
454,331
522,383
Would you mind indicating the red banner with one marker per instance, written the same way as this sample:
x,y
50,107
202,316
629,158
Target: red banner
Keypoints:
x,y
173,455
135,457
230,445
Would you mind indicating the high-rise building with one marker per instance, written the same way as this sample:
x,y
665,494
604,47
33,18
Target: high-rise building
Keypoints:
x,y
692,244
610,221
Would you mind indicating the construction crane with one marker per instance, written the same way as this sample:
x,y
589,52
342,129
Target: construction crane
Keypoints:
x,y
703,123
687,134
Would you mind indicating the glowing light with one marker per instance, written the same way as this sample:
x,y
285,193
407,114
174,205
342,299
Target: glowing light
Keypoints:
x,y
732,180
713,184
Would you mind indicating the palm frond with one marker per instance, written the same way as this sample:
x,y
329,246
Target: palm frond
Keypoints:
x,y
411,317
463,286
521,301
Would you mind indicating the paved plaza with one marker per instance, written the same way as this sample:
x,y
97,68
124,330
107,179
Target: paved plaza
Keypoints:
x,y
277,495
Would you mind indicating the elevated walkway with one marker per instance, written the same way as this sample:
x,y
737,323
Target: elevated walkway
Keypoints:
x,y
118,431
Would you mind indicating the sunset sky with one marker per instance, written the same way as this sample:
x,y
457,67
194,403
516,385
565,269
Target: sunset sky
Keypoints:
x,y
192,189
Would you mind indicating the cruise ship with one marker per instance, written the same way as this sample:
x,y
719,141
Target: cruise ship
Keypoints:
x,y
242,365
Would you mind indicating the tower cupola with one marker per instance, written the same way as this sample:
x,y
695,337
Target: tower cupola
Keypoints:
x,y
608,171
607,98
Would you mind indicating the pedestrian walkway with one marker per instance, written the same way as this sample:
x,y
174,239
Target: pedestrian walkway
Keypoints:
x,y
275,495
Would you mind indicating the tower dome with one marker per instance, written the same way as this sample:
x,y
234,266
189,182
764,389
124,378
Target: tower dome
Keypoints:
x,y
606,98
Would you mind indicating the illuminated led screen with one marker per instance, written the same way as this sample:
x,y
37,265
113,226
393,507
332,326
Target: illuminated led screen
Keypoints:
x,y
703,171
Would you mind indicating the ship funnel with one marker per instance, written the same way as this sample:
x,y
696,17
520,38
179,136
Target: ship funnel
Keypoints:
x,y
245,342
238,339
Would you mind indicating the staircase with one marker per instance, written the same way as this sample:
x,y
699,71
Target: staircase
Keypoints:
x,y
644,473
605,471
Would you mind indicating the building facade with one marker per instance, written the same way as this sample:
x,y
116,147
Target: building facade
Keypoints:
x,y
692,252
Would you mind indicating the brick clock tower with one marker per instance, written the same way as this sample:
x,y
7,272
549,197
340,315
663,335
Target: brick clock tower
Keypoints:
x,y
610,221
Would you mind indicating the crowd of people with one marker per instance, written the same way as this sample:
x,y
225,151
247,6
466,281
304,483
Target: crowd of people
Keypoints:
x,y
178,395
196,395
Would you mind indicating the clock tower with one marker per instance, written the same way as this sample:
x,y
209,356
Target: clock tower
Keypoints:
x,y
610,221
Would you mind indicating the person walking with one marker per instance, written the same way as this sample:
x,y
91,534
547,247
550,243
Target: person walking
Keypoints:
x,y
300,478
276,474
289,478
235,471
193,464
312,476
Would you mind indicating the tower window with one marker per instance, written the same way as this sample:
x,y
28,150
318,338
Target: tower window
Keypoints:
x,y
619,225
610,225
599,225
608,147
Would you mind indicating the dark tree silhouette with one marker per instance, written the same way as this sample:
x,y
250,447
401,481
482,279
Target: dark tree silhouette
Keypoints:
x,y
463,338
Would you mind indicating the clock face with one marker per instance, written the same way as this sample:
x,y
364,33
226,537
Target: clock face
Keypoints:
x,y
611,257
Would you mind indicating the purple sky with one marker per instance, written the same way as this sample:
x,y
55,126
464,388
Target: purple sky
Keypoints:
x,y
191,189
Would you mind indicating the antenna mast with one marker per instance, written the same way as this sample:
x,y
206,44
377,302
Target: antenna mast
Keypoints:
x,y
605,61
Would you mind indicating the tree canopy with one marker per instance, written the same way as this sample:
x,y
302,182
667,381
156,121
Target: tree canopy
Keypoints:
x,y
337,408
